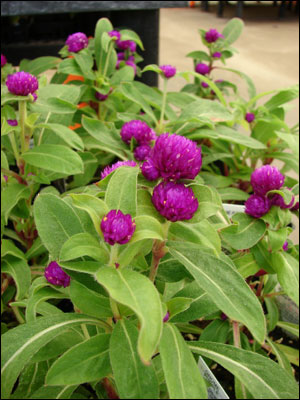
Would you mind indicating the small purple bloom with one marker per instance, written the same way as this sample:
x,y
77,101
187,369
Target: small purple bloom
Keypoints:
x,y
219,80
131,64
12,122
266,178
295,207
142,133
223,317
100,96
117,227
257,206
109,169
126,44
22,83
249,117
34,95
277,200
76,42
149,171
212,36
5,178
166,317
174,201
176,157
202,68
141,152
3,60
55,275
168,70
121,56
285,246
217,54
204,85
115,34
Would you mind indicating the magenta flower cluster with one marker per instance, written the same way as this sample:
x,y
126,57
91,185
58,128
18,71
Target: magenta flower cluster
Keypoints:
x,y
108,170
117,227
3,60
139,130
202,69
128,47
168,70
249,117
263,180
56,276
212,35
76,42
22,83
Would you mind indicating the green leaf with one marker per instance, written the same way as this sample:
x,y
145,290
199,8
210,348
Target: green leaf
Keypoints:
x,y
203,108
291,353
21,343
277,238
8,247
127,34
248,80
199,55
138,293
182,374
103,25
245,233
95,207
264,378
59,106
85,62
133,379
121,192
145,205
87,267
19,271
11,195
54,392
281,357
233,30
122,75
287,269
147,228
224,285
83,244
208,202
54,157
56,222
67,135
89,302
41,64
282,97
246,265
231,193
178,305
85,362
233,136
263,256
288,326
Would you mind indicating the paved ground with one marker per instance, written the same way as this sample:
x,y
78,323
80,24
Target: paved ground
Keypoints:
x,y
268,49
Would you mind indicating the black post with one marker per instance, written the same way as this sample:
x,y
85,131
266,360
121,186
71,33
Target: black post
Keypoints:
x,y
239,9
220,8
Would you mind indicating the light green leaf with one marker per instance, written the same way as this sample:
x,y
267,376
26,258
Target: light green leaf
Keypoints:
x,y
103,25
83,244
203,108
85,362
282,97
54,392
19,271
67,135
41,64
133,379
209,202
21,343
281,357
138,293
224,285
8,247
127,34
233,30
147,228
264,378
246,265
182,374
288,326
11,195
231,193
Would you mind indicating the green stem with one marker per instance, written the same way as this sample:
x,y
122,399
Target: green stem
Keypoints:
x,y
111,44
236,334
158,252
22,116
114,252
163,107
274,294
18,315
13,143
85,331
42,131
115,309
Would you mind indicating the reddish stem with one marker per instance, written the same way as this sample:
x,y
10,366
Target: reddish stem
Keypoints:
x,y
111,393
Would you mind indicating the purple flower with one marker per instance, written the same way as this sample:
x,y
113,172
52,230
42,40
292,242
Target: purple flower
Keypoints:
x,y
249,117
142,133
277,200
149,171
3,60
202,68
285,246
76,42
55,275
5,178
295,207
223,317
126,44
266,178
115,34
117,227
34,95
217,54
131,64
12,122
166,317
219,80
141,152
109,169
121,56
175,157
168,70
22,83
212,36
174,201
100,96
257,206
204,85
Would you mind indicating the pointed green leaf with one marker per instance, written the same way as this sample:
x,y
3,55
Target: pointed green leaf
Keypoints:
x,y
19,270
66,134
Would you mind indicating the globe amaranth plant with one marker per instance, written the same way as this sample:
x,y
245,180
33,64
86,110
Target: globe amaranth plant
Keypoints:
x,y
115,240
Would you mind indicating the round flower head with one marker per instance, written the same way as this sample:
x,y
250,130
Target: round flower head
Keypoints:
x,y
257,206
277,200
168,70
174,201
117,227
295,207
176,157
166,317
126,44
202,68
266,178
12,122
108,170
76,42
141,152
204,85
131,64
212,35
115,34
149,171
3,60
22,83
142,133
285,246
55,275
249,117
217,54
100,96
